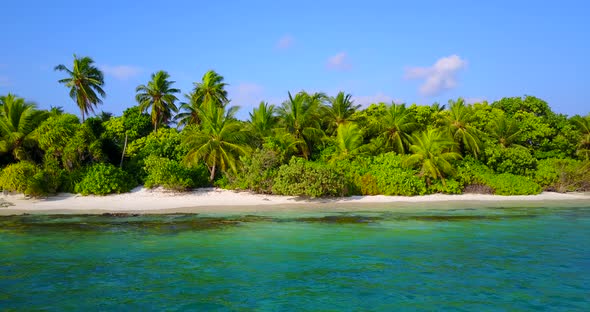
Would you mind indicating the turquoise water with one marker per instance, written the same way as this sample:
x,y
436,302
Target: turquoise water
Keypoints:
x,y
510,259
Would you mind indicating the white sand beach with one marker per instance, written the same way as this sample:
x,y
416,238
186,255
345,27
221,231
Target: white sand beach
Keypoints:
x,y
214,200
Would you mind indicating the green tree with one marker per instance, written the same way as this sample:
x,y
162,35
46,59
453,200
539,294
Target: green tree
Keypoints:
x,y
263,119
529,104
18,120
349,141
505,131
158,96
300,117
211,89
189,112
434,153
220,141
583,125
284,143
396,126
457,123
85,82
340,110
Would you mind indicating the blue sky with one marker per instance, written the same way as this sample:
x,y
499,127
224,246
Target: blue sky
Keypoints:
x,y
410,51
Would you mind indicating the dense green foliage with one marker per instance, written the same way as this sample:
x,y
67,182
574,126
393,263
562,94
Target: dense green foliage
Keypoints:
x,y
311,144
259,171
563,175
18,177
102,179
305,178
478,177
172,175
386,174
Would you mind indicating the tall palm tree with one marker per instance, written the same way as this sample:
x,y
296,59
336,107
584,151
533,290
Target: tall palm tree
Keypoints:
x,y
158,96
396,126
349,140
85,82
263,119
189,112
18,120
505,131
285,142
340,110
433,152
583,124
56,110
300,117
211,89
457,124
220,141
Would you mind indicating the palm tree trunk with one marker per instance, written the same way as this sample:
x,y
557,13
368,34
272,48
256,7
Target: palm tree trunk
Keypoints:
x,y
212,173
123,154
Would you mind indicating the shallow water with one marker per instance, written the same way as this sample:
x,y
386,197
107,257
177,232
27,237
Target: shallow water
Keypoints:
x,y
463,259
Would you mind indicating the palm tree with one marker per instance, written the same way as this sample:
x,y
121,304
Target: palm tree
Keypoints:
x,y
219,142
56,110
105,116
300,117
457,124
18,120
263,119
285,143
433,152
396,126
211,89
349,140
159,96
85,82
583,124
189,114
505,131
340,110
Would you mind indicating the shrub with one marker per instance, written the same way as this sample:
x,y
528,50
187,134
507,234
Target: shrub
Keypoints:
x,y
385,174
563,175
172,175
258,171
449,187
102,179
163,143
69,179
481,179
19,177
510,184
515,160
368,185
305,178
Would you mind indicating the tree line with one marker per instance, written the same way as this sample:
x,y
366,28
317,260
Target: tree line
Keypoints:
x,y
312,144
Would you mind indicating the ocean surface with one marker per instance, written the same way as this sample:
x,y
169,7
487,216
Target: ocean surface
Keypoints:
x,y
496,259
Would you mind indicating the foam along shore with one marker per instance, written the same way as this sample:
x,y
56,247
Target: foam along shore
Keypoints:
x,y
214,200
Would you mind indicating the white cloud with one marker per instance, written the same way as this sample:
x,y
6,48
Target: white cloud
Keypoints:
x,y
285,42
121,72
439,77
339,61
377,98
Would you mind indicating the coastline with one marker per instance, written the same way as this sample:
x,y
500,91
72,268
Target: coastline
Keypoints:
x,y
219,201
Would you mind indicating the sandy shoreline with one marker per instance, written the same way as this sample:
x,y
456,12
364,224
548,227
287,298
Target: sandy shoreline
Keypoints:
x,y
213,200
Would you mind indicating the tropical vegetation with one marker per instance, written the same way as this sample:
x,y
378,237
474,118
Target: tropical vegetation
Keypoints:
x,y
311,144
